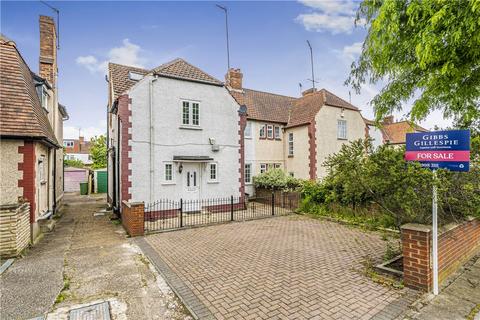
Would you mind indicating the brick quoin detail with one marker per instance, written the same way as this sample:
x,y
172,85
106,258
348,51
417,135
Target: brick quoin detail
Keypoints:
x,y
133,218
242,122
28,180
456,245
124,113
312,156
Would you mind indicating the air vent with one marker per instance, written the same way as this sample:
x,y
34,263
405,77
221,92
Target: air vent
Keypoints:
x,y
135,76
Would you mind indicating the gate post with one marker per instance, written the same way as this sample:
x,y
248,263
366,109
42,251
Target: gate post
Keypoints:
x,y
133,220
273,203
181,213
231,208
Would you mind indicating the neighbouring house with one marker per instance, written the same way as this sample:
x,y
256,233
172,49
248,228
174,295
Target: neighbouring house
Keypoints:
x,y
77,149
295,134
174,132
31,129
391,132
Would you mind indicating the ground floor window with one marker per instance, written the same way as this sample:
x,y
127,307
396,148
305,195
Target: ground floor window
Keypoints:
x,y
168,177
213,172
248,173
263,167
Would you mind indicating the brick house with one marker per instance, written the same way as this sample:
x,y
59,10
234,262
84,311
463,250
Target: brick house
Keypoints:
x,y
31,129
293,134
391,132
77,149
174,132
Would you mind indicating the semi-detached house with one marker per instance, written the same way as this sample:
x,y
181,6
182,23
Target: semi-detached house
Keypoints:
x,y
293,134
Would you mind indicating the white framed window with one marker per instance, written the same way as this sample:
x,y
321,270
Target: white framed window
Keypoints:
x,y
248,173
290,143
168,173
185,112
263,167
213,172
190,113
277,165
45,97
342,129
277,132
195,114
247,133
262,132
68,144
270,131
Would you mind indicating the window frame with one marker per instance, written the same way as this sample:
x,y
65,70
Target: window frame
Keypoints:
x,y
276,129
249,180
172,173
190,114
270,135
277,165
210,179
290,144
66,144
263,167
263,131
249,131
341,130
45,98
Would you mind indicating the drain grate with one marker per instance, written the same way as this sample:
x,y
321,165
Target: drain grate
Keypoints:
x,y
98,311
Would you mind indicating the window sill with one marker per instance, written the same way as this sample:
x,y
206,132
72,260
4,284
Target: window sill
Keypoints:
x,y
248,183
345,139
190,127
249,138
213,182
168,183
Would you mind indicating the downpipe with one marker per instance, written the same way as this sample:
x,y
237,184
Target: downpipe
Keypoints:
x,y
152,140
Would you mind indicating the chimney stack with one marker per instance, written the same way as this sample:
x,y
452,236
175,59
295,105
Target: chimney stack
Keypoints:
x,y
308,92
233,79
388,120
48,50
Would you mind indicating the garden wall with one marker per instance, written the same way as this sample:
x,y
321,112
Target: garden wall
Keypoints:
x,y
133,218
457,243
282,199
14,229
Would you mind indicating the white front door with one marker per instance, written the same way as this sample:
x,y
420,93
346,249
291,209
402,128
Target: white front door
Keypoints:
x,y
191,187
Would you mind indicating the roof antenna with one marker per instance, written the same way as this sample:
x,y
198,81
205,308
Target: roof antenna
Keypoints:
x,y
226,27
58,22
300,86
311,60
350,96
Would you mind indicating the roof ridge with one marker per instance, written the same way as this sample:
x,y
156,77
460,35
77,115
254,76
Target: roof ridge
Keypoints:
x,y
177,60
339,98
275,94
127,66
167,64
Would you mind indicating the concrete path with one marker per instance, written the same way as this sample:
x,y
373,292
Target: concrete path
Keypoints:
x,y
86,259
280,268
459,300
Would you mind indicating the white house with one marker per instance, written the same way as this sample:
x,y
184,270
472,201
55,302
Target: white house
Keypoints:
x,y
174,132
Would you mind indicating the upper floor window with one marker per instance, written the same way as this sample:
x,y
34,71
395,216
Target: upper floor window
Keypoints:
x,y
342,129
45,97
213,174
290,143
68,144
248,130
270,131
248,173
262,132
277,132
190,113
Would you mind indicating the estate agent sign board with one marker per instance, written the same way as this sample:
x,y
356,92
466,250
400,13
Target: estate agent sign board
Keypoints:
x,y
439,150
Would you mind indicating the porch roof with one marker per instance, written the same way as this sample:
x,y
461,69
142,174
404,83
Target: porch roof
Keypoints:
x,y
192,158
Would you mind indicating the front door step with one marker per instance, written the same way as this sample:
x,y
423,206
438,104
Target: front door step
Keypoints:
x,y
98,311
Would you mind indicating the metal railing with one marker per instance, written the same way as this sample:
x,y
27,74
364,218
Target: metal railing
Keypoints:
x,y
165,214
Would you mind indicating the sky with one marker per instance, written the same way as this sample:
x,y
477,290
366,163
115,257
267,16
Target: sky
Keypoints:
x,y
267,42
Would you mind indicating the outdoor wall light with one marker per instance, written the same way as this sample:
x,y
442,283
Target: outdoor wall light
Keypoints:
x,y
180,168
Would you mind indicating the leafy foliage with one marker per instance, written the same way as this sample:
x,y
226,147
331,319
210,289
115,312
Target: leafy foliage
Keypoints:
x,y
380,185
73,163
424,49
276,179
98,151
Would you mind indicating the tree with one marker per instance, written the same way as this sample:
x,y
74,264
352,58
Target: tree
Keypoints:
x,y
98,151
427,50
73,163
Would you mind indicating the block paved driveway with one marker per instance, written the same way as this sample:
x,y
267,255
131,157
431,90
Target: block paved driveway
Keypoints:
x,y
290,267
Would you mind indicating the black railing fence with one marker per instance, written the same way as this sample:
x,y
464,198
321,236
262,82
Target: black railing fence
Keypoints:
x,y
163,215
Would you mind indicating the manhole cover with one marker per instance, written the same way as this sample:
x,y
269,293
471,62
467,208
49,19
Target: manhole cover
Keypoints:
x,y
98,311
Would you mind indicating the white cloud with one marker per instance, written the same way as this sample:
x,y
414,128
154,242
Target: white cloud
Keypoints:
x,y
128,54
335,16
73,132
352,51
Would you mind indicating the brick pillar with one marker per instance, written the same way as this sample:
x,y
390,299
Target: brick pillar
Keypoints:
x,y
417,272
133,218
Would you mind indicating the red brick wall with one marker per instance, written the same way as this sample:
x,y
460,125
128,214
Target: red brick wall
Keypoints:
x,y
456,244
133,218
124,113
28,180
312,156
242,122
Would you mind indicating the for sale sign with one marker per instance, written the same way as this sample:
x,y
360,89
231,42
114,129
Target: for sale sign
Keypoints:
x,y
440,149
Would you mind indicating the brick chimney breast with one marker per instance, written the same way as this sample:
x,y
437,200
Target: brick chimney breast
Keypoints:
x,y
233,79
48,50
308,92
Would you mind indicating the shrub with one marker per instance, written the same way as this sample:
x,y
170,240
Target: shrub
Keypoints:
x,y
73,163
276,179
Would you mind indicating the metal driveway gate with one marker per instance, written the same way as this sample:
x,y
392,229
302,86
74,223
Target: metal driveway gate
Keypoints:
x,y
163,215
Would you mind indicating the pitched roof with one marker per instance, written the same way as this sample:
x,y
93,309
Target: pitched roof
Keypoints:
x,y
306,107
396,132
181,69
21,112
176,69
265,106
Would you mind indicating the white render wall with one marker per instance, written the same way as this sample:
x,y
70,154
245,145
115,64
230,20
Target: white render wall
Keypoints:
x,y
376,136
250,156
218,119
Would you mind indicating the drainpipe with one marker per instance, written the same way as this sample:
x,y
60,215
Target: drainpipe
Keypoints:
x,y
152,140
54,206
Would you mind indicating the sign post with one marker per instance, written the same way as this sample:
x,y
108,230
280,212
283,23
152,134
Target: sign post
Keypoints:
x,y
439,150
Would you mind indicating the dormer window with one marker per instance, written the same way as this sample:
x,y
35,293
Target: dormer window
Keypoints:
x,y
44,98
135,76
